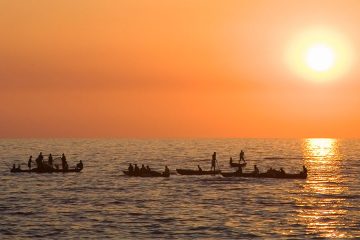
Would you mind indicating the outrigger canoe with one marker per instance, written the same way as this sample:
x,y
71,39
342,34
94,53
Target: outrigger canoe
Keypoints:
x,y
196,172
35,170
232,164
266,175
147,174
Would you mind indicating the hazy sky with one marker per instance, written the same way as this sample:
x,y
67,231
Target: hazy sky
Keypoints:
x,y
179,68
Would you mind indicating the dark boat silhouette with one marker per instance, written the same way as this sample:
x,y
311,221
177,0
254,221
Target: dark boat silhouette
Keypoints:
x,y
147,174
196,172
266,175
35,170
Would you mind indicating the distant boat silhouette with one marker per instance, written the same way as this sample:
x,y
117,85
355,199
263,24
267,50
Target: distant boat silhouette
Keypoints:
x,y
35,170
147,174
196,172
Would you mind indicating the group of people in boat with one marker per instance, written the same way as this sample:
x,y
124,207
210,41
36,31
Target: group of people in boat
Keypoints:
x,y
49,165
256,171
213,163
271,171
135,170
241,157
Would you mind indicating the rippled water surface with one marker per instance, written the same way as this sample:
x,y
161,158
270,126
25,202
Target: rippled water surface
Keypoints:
x,y
101,203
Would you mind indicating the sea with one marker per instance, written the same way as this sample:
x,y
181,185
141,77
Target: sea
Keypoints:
x,y
102,203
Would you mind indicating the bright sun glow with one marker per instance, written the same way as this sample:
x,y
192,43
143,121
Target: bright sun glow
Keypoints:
x,y
319,55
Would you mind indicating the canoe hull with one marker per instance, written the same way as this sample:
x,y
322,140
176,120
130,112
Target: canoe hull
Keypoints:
x,y
196,172
265,175
151,174
35,170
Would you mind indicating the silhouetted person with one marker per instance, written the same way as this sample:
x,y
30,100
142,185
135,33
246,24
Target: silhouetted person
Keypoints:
x,y
200,170
242,154
130,168
272,171
167,171
304,171
143,169
80,165
64,163
148,169
256,170
282,171
213,161
39,161
50,160
30,162
14,167
231,160
136,169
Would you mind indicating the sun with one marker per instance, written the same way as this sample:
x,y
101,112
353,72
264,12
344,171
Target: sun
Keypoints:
x,y
319,55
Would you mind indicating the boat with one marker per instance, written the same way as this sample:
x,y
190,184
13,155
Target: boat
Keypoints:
x,y
232,164
300,175
196,172
147,174
35,170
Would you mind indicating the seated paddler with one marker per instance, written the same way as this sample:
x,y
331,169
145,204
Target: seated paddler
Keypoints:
x,y
130,168
80,165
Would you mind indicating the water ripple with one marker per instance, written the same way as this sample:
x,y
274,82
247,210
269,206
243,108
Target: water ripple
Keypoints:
x,y
102,203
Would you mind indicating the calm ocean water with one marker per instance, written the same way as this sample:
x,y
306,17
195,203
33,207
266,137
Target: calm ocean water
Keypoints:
x,y
101,203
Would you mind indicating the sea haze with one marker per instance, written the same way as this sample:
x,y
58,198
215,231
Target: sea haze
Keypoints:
x,y
100,202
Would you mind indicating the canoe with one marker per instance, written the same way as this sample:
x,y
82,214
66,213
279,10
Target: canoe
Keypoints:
x,y
35,170
147,174
196,172
266,175
232,164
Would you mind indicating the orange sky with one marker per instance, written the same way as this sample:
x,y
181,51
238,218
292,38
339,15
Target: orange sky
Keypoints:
x,y
180,68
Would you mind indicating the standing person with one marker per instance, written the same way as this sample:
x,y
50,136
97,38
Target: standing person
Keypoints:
x,y
30,162
50,160
242,154
213,161
63,162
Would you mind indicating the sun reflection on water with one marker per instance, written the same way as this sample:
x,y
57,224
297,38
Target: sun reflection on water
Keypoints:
x,y
322,200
